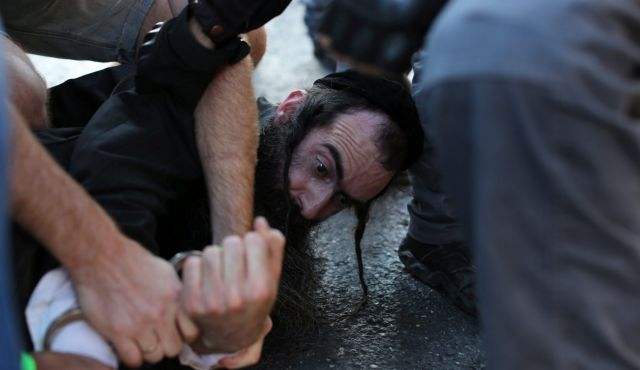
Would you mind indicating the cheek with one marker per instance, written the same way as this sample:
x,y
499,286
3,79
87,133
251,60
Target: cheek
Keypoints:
x,y
298,176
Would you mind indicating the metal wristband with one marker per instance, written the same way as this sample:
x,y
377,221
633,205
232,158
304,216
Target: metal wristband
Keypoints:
x,y
68,317
75,314
177,261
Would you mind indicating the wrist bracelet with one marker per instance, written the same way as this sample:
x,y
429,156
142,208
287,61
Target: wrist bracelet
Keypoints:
x,y
68,317
177,261
27,362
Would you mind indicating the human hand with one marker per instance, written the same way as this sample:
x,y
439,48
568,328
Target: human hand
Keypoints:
x,y
230,290
222,19
132,299
64,361
362,32
248,356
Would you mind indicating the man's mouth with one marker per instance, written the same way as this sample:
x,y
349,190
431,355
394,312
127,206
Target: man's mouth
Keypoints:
x,y
298,202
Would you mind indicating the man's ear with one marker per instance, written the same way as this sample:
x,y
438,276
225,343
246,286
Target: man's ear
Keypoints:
x,y
288,107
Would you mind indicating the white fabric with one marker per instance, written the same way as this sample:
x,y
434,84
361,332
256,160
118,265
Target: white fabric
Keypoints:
x,y
52,297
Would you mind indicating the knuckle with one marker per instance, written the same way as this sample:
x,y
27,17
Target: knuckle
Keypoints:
x,y
193,307
173,350
213,307
262,294
232,240
253,238
120,329
153,313
235,305
172,293
278,238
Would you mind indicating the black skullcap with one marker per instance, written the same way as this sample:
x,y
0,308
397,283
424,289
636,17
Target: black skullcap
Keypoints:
x,y
391,96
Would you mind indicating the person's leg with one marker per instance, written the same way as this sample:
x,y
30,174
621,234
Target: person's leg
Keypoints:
x,y
103,30
434,250
314,11
533,107
26,89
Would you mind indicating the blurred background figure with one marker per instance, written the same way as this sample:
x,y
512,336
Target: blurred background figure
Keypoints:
x,y
10,341
314,11
433,250
533,107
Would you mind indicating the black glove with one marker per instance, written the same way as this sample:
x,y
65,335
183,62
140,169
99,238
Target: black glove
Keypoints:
x,y
172,60
379,33
225,19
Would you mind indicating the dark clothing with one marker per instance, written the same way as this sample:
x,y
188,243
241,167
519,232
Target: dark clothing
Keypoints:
x,y
534,108
138,159
433,219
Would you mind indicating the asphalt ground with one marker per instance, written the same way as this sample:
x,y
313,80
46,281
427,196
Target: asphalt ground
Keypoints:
x,y
405,325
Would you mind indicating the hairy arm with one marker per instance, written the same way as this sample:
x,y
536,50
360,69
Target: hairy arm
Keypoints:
x,y
53,207
226,132
227,136
123,290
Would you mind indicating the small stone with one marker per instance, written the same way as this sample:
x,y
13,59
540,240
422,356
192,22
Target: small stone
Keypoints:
x,y
373,366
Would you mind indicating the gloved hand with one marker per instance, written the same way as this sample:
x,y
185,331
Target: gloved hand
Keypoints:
x,y
225,19
382,34
172,60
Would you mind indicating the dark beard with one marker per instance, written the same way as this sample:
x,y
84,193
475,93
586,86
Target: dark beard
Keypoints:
x,y
294,312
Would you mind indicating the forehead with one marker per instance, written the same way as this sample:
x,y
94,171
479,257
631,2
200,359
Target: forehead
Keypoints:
x,y
354,135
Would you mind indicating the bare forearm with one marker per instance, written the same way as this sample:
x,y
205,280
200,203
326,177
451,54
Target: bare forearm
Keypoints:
x,y
53,207
227,134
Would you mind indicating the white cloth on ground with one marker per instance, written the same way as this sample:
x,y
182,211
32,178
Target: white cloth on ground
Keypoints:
x,y
52,297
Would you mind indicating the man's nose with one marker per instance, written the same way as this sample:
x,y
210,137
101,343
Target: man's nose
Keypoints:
x,y
315,205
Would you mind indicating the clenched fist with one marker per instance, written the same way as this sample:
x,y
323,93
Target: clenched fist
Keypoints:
x,y
230,290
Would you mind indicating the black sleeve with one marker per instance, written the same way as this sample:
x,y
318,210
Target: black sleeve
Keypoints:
x,y
137,156
73,102
172,60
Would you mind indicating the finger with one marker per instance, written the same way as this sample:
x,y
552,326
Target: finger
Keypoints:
x,y
128,352
249,356
150,346
261,225
169,334
258,264
188,328
212,279
268,325
192,299
276,242
235,270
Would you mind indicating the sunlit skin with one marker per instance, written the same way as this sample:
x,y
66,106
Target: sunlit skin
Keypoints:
x,y
338,165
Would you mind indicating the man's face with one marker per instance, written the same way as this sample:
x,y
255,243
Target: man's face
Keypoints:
x,y
334,166
338,165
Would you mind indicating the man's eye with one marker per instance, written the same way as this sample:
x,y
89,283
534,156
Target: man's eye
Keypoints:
x,y
321,169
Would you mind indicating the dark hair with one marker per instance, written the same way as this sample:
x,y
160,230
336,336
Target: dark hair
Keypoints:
x,y
322,105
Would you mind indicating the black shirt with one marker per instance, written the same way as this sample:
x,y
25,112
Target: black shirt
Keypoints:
x,y
137,157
